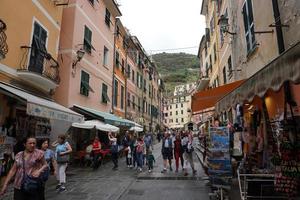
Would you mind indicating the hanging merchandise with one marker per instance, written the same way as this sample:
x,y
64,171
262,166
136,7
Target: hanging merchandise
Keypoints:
x,y
287,159
237,144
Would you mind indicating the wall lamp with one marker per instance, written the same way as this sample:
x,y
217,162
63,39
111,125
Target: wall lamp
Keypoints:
x,y
223,22
80,53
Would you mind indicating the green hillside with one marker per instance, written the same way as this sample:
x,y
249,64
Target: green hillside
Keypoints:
x,y
177,68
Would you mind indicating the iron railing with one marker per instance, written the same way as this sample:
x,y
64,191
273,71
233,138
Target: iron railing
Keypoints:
x,y
39,62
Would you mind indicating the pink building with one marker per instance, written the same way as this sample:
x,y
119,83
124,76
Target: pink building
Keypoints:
x,y
87,28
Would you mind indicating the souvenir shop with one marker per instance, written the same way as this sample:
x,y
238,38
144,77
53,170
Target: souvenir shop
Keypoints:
x,y
23,114
267,123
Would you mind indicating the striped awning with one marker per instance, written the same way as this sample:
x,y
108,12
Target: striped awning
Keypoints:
x,y
285,67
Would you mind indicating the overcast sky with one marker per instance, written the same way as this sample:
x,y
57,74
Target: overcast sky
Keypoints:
x,y
164,24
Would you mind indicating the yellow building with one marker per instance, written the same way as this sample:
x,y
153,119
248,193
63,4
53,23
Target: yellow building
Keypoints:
x,y
33,29
29,71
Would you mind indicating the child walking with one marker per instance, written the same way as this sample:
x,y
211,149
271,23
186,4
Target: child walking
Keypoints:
x,y
150,160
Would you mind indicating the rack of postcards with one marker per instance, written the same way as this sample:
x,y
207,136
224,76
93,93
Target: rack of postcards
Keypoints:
x,y
219,162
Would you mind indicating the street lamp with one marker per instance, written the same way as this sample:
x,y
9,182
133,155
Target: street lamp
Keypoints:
x,y
223,22
80,53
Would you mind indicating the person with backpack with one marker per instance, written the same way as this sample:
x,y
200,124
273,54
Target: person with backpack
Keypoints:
x,y
187,144
167,152
139,153
114,149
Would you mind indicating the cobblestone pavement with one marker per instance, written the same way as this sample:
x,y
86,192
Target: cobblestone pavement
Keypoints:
x,y
106,184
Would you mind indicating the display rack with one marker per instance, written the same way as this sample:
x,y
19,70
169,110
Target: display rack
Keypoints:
x,y
265,185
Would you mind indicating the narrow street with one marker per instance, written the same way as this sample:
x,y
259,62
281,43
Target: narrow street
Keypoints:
x,y
106,184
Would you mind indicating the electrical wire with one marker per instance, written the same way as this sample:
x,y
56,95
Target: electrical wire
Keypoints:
x,y
174,49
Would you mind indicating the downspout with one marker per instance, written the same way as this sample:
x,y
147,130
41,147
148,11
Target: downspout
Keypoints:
x,y
113,72
278,27
126,76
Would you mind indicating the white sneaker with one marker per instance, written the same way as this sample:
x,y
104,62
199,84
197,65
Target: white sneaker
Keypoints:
x,y
149,171
128,166
140,170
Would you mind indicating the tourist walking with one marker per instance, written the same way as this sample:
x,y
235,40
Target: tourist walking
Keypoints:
x,y
50,159
139,153
167,152
28,167
114,149
62,152
187,144
150,160
178,152
126,144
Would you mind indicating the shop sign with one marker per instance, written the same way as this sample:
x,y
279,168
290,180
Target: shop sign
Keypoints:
x,y
44,112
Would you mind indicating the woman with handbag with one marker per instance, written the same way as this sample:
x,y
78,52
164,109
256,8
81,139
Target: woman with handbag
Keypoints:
x,y
27,170
62,152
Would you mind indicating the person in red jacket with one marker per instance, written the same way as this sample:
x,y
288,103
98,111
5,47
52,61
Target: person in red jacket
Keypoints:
x,y
178,151
96,153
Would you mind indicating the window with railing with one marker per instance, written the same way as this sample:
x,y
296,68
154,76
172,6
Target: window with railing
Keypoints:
x,y
38,49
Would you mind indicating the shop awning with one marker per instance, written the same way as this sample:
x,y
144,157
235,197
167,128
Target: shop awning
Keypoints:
x,y
285,67
108,118
90,124
207,99
40,107
136,128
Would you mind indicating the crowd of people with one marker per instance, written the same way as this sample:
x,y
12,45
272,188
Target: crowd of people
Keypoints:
x,y
33,164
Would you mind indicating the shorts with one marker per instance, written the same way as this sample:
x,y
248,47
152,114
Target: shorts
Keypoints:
x,y
167,154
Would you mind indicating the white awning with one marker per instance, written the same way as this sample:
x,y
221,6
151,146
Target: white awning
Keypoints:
x,y
136,128
40,107
96,124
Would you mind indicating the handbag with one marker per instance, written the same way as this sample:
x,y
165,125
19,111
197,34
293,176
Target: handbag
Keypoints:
x,y
62,159
30,184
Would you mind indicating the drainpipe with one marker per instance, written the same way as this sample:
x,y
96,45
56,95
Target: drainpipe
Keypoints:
x,y
126,76
278,27
114,62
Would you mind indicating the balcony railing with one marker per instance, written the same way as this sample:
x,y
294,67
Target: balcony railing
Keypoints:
x,y
39,62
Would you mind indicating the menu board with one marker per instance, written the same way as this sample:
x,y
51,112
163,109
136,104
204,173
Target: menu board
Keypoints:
x,y
219,157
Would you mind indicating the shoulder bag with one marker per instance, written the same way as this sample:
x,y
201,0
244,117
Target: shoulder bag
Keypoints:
x,y
30,184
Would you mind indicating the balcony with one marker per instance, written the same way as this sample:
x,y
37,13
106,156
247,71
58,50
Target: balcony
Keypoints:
x,y
39,68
